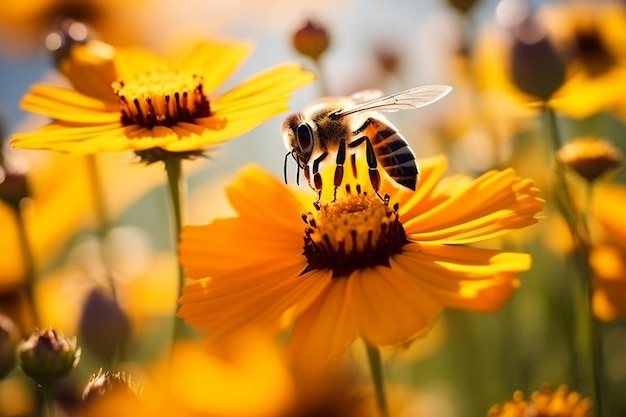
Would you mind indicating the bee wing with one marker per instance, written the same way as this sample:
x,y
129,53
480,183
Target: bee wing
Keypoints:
x,y
413,98
365,96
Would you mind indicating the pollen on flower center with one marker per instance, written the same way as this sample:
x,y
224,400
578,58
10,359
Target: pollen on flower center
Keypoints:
x,y
161,98
356,232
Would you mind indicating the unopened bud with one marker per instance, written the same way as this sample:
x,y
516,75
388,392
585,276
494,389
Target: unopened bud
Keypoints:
x,y
388,59
590,157
13,187
463,6
104,327
537,68
47,356
104,384
9,339
68,34
311,40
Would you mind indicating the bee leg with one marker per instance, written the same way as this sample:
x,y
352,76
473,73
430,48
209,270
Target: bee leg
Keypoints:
x,y
353,164
372,162
340,160
317,177
307,175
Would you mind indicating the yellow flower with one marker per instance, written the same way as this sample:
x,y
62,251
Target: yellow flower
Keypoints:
x,y
253,379
589,36
545,403
608,253
130,99
26,23
356,267
593,35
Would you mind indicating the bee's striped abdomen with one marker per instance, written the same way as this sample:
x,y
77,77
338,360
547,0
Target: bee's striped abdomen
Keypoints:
x,y
393,154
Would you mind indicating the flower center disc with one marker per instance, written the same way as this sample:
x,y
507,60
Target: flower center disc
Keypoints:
x,y
595,57
356,232
161,98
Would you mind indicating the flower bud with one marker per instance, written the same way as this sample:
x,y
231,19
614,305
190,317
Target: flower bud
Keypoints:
x,y
69,33
311,40
463,6
537,68
104,327
9,339
47,356
590,157
13,187
388,59
103,384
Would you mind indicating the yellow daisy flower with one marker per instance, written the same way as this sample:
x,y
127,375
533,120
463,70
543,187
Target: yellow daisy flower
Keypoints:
x,y
253,379
25,24
131,99
546,403
607,257
588,37
357,267
592,34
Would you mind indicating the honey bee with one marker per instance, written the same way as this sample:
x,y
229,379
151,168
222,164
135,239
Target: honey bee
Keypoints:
x,y
338,125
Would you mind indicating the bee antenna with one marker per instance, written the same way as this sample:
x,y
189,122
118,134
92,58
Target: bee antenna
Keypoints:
x,y
285,167
298,174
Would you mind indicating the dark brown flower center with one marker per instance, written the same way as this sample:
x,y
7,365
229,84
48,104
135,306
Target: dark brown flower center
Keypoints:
x,y
161,98
356,232
593,53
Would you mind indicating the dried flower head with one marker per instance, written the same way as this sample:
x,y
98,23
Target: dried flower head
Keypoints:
x,y
104,383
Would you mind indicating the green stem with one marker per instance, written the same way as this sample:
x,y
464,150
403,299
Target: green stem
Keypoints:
x,y
321,77
178,194
104,220
590,337
376,368
29,264
48,399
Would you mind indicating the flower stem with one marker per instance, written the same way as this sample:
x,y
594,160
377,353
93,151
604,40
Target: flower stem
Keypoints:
x,y
590,337
29,264
178,194
376,368
48,399
104,220
321,77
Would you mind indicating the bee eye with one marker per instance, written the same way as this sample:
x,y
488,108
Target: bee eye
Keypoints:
x,y
304,135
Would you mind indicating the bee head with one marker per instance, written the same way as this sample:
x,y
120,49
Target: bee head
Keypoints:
x,y
299,138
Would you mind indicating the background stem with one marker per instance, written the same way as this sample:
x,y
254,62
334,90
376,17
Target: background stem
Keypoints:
x,y
589,333
376,368
104,220
178,194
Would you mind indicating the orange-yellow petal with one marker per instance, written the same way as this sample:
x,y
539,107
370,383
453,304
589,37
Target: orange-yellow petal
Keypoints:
x,y
464,277
204,251
266,295
277,81
494,204
69,105
326,329
260,206
389,306
214,60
